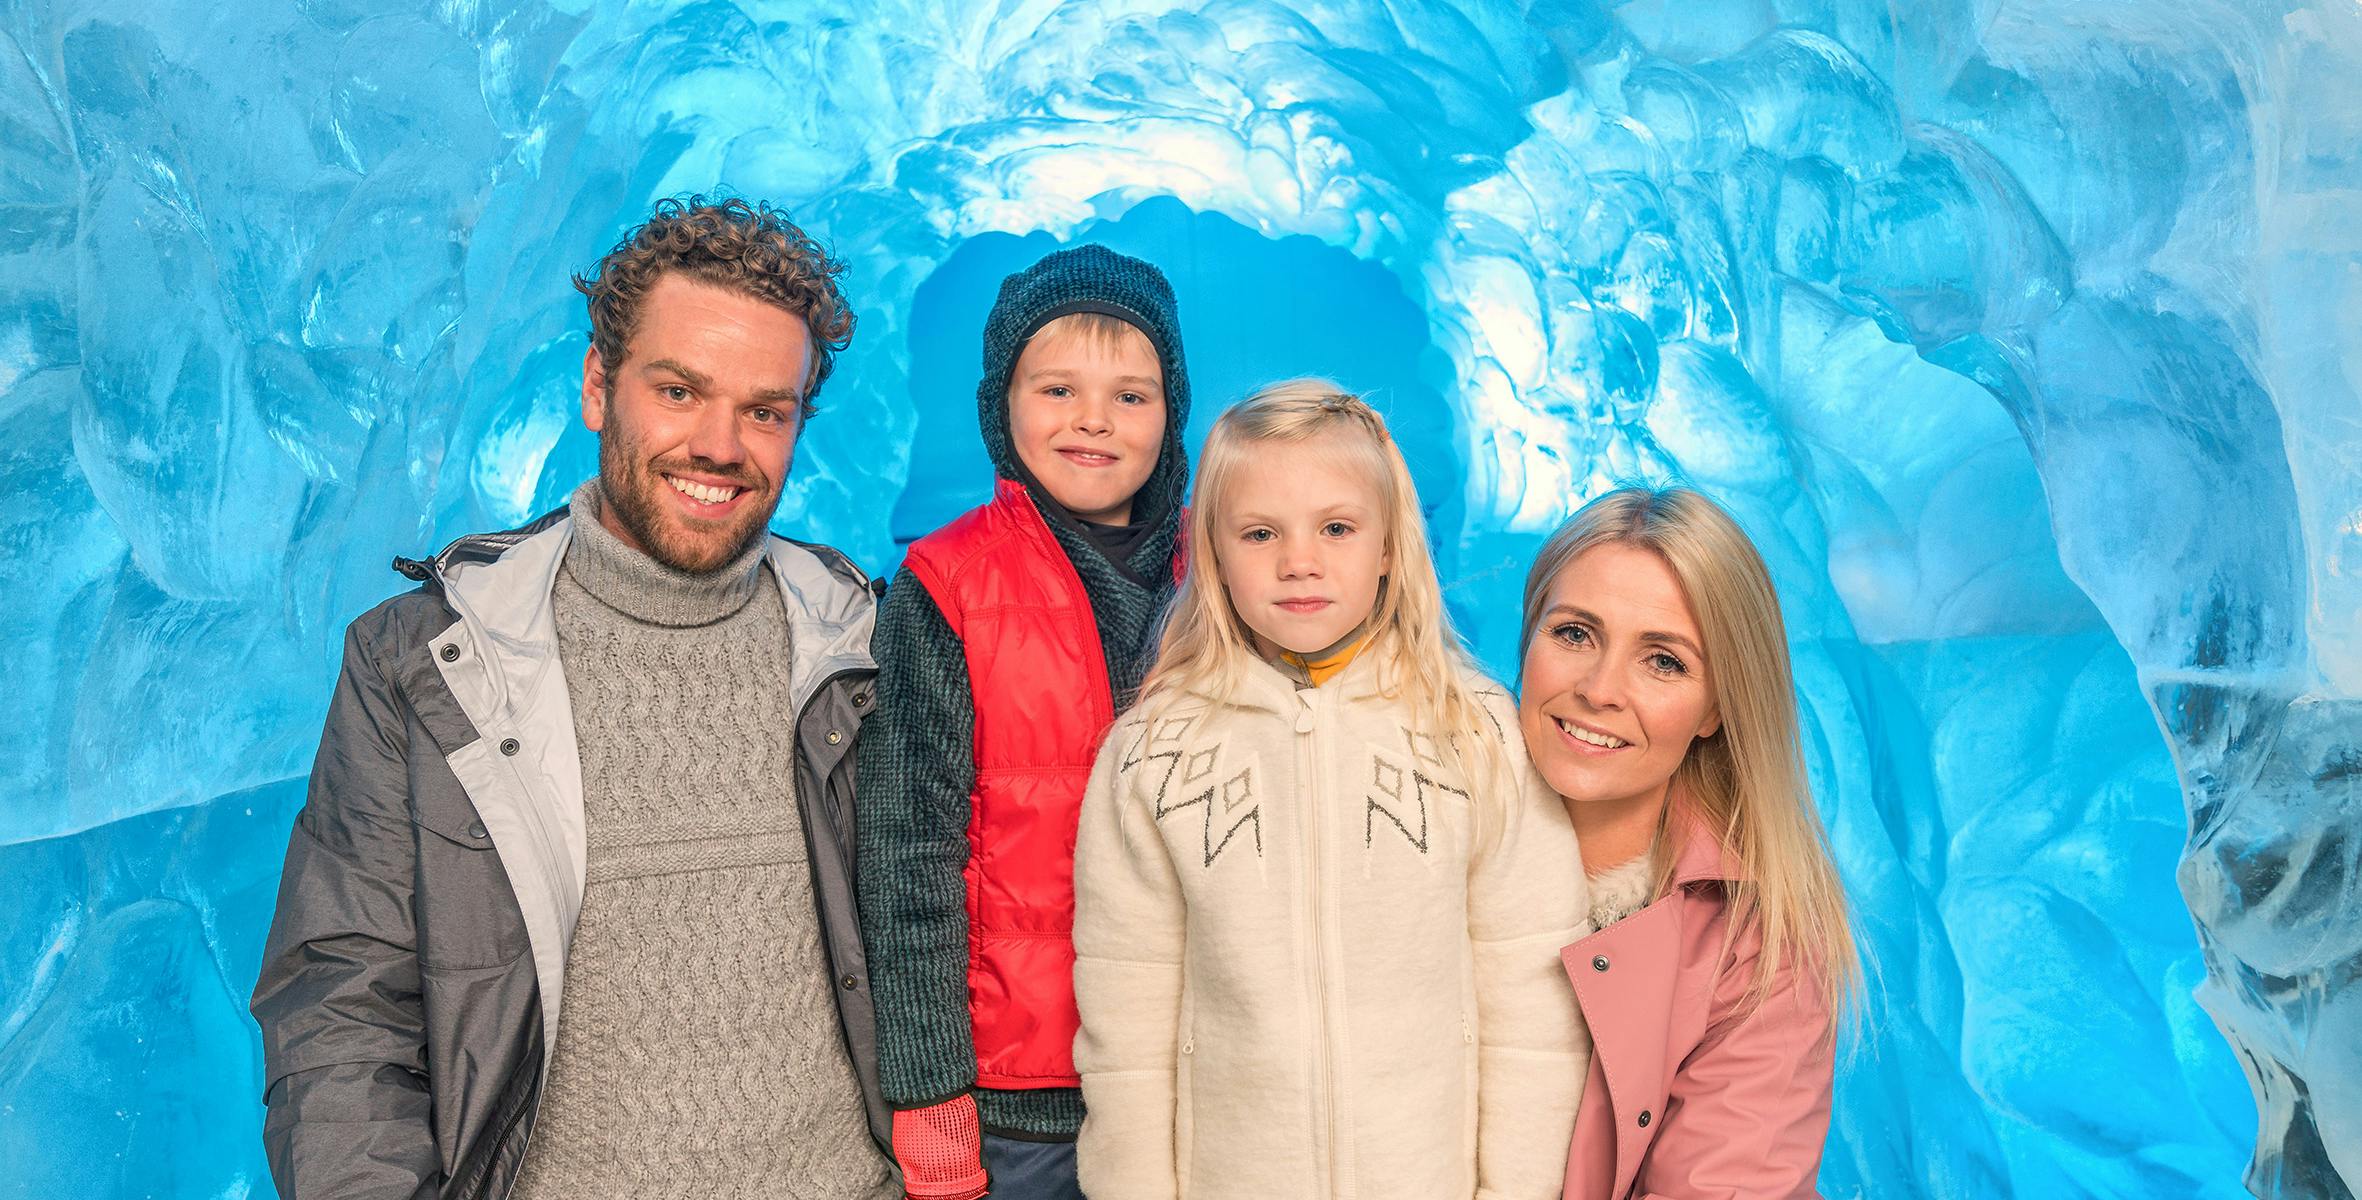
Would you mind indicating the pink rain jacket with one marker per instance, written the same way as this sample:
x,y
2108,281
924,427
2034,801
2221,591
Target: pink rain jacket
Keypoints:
x,y
1691,1096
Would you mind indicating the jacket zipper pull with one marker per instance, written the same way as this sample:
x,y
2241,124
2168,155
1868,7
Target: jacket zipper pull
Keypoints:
x,y
1304,717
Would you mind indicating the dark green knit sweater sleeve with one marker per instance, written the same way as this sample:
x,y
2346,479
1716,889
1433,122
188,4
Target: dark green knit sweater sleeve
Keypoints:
x,y
918,768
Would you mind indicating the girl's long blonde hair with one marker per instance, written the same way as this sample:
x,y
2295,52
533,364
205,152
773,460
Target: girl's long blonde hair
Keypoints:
x,y
1747,783
1206,645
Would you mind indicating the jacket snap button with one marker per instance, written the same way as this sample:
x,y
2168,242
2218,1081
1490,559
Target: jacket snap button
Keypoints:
x,y
860,698
509,746
477,831
849,983
1599,963
834,737
1644,1118
450,652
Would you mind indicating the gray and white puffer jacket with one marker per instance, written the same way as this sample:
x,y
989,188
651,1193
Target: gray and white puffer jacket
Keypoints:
x,y
411,986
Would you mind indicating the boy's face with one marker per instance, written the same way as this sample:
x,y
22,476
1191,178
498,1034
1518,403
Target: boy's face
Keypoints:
x,y
1301,547
1087,417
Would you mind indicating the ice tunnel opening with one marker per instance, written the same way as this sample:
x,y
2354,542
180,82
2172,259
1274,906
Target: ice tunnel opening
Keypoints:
x,y
1254,309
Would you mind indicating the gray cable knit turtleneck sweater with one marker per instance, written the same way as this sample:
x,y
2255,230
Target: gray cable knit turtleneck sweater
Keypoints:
x,y
698,1052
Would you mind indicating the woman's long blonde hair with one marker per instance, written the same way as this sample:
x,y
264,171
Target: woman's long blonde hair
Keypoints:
x,y
1747,783
1206,645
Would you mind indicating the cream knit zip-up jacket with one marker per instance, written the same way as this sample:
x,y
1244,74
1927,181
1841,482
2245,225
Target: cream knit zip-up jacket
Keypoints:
x,y
1314,959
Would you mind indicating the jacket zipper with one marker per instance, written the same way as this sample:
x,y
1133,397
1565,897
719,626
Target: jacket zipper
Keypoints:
x,y
533,814
806,804
541,842
484,1185
1315,841
821,687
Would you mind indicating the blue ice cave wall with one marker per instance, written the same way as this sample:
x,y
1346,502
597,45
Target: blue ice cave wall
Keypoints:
x,y
2019,334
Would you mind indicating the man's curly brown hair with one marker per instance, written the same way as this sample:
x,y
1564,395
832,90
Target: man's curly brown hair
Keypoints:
x,y
749,248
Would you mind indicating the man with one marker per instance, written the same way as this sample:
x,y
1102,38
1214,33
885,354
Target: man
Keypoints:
x,y
569,911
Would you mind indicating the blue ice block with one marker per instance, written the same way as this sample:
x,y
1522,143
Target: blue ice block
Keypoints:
x,y
2019,335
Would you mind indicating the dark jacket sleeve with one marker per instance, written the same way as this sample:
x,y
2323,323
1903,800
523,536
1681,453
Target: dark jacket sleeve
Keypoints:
x,y
917,769
344,1043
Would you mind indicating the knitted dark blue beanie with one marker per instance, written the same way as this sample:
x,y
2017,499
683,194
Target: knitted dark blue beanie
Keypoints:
x,y
1087,278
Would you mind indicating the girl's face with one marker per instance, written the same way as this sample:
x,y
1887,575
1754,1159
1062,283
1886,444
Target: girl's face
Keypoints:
x,y
1301,546
1615,685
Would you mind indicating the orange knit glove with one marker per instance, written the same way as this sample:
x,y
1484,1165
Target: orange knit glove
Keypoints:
x,y
941,1149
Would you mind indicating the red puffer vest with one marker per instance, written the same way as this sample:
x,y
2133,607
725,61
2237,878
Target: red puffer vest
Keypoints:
x,y
1042,704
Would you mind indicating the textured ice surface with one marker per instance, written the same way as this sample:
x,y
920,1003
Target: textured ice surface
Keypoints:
x,y
2021,335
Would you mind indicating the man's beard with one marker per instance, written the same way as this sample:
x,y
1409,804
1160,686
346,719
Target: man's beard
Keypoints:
x,y
630,485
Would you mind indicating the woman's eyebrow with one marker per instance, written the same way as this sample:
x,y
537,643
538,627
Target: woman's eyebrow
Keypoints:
x,y
1652,635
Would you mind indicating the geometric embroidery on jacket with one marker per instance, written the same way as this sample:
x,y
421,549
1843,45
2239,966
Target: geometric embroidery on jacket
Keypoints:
x,y
1389,802
1406,813
1422,746
1402,813
1187,782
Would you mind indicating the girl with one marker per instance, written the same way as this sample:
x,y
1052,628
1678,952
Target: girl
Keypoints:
x,y
1319,891
1656,701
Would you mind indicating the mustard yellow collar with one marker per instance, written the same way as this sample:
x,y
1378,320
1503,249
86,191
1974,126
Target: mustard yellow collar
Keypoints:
x,y
1321,666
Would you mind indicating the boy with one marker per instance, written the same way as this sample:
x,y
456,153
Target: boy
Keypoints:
x,y
1009,641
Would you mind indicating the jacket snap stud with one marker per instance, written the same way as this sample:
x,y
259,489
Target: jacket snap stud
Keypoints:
x,y
849,983
834,737
450,652
1644,1118
477,832
1599,963
509,746
860,699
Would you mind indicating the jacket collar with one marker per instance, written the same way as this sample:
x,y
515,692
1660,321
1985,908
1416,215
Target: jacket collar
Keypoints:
x,y
1701,858
830,613
1261,685
500,585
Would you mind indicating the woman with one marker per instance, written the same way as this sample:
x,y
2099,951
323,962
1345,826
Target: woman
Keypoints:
x,y
1656,701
